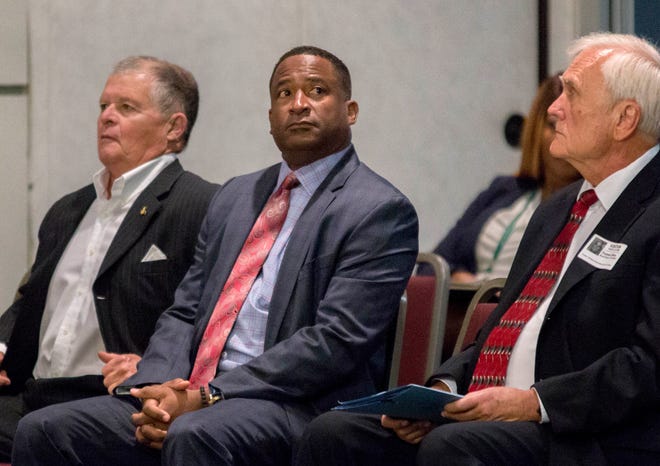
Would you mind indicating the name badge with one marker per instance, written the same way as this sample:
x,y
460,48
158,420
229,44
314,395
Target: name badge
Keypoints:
x,y
602,253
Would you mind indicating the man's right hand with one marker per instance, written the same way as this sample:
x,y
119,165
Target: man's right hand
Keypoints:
x,y
117,368
412,431
4,380
408,430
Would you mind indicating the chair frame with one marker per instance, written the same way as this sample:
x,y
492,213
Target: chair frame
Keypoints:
x,y
438,319
484,293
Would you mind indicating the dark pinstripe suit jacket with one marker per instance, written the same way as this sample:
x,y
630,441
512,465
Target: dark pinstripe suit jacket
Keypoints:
x,y
129,294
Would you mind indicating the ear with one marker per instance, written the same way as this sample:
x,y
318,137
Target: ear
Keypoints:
x,y
270,120
628,114
177,125
352,109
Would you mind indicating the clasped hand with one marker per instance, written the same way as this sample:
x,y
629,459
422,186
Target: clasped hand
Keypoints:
x,y
490,404
4,380
161,405
117,368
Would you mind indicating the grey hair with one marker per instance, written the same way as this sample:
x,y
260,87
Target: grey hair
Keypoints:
x,y
175,88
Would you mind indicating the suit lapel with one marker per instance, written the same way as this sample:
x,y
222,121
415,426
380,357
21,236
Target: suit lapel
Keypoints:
x,y
617,221
251,200
67,224
301,238
540,240
141,214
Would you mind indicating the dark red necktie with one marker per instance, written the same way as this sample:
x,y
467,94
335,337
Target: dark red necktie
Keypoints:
x,y
493,361
248,264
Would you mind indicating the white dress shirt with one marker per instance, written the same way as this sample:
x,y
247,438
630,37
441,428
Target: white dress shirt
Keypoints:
x,y
520,372
69,337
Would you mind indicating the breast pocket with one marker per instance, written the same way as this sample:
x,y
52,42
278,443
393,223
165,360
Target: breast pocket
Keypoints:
x,y
153,267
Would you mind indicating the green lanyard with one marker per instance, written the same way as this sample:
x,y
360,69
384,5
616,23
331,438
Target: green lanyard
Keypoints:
x,y
508,231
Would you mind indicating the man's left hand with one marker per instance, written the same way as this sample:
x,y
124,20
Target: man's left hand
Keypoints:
x,y
117,368
495,404
162,404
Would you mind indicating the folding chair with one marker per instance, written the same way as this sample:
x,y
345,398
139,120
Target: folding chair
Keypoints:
x,y
417,348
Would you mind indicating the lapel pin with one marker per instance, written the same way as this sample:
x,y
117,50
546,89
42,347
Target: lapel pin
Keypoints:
x,y
143,211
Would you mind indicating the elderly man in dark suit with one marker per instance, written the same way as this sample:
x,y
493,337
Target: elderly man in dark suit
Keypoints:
x,y
268,329
111,254
570,358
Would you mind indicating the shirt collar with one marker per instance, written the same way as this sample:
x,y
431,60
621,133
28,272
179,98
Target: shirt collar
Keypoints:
x,y
609,190
311,176
131,182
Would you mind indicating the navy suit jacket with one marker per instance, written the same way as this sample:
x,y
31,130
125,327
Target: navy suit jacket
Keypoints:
x,y
129,294
347,263
597,358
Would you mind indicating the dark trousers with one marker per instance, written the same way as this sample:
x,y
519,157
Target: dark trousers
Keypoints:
x,y
637,443
37,394
12,409
98,431
348,439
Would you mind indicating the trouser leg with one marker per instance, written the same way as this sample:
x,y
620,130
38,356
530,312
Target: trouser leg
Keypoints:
x,y
348,439
237,432
93,431
12,409
485,443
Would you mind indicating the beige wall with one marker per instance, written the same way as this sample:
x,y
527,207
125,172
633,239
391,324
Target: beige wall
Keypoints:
x,y
13,149
435,80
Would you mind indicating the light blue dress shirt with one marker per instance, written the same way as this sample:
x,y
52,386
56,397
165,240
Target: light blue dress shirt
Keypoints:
x,y
246,340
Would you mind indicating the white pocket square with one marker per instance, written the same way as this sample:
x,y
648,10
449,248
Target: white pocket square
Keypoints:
x,y
154,254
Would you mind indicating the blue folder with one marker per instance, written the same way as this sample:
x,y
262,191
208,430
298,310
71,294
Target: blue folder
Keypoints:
x,y
406,402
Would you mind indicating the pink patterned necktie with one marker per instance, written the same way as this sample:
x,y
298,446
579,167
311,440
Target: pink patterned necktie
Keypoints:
x,y
493,361
250,260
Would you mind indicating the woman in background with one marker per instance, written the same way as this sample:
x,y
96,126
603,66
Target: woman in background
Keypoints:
x,y
485,239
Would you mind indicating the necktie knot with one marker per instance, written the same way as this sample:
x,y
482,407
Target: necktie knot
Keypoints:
x,y
290,182
588,197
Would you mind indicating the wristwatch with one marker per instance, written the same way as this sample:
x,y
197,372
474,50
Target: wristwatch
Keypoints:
x,y
210,395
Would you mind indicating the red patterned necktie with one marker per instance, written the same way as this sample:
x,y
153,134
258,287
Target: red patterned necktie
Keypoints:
x,y
250,260
491,367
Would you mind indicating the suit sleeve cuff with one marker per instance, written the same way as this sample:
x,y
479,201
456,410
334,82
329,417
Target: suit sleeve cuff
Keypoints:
x,y
544,414
450,382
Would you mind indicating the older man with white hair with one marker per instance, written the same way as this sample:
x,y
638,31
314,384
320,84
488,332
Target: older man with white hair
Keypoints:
x,y
570,358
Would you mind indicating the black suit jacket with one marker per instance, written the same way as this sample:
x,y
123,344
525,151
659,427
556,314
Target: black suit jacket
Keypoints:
x,y
597,359
129,294
346,265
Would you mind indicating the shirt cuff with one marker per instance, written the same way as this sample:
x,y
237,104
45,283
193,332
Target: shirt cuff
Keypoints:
x,y
450,382
3,347
544,414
